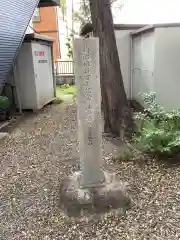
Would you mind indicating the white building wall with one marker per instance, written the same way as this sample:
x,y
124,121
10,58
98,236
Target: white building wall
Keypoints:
x,y
124,45
62,34
156,65
136,67
30,28
24,73
167,67
142,64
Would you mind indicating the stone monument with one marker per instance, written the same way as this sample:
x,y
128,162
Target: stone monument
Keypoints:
x,y
89,110
91,187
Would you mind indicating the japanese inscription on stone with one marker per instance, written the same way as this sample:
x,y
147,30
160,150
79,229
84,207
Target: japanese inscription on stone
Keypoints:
x,y
87,91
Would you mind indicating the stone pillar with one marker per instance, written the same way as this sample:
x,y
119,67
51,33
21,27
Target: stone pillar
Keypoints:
x,y
87,75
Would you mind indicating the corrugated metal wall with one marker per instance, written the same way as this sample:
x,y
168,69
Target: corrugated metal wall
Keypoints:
x,y
15,16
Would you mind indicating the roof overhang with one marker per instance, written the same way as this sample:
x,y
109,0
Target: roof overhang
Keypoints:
x,y
128,26
153,26
48,3
38,37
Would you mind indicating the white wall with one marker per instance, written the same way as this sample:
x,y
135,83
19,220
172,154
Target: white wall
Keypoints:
x,y
43,74
141,58
167,67
69,15
123,45
62,33
30,28
142,64
24,72
156,65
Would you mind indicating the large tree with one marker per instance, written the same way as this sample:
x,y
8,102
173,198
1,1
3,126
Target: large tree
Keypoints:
x,y
116,110
83,15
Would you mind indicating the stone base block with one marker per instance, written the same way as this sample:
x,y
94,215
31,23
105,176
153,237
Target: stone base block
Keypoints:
x,y
75,200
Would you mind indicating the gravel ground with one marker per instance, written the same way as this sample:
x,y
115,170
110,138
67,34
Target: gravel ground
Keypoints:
x,y
41,151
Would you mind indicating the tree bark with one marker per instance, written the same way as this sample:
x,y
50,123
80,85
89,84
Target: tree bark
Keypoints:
x,y
115,104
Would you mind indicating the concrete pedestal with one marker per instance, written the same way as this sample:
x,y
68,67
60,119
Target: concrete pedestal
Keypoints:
x,y
77,201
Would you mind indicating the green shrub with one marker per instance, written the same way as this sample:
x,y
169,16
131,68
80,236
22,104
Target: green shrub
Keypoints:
x,y
159,130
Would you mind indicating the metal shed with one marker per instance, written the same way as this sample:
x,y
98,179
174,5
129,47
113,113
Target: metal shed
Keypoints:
x,y
33,73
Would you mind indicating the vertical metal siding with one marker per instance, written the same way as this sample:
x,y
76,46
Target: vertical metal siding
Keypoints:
x,y
143,64
15,16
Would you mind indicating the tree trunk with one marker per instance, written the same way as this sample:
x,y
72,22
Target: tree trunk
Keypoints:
x,y
115,105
